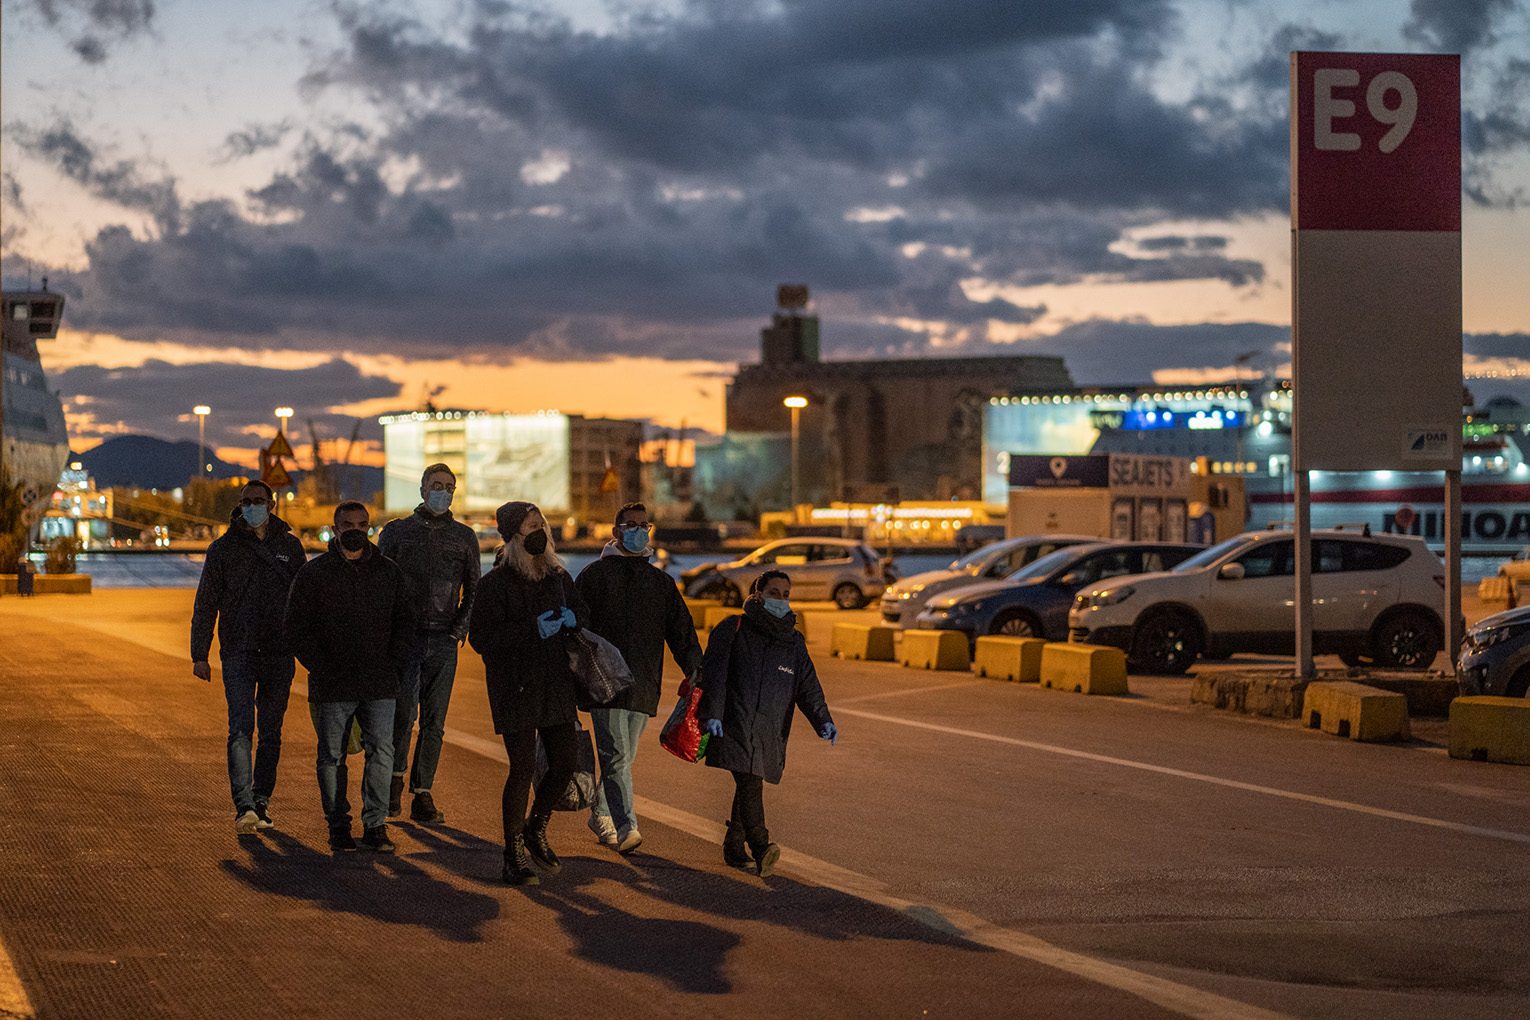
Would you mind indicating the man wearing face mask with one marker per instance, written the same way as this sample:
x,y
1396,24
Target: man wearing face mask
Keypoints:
x,y
637,607
439,556
243,590
351,623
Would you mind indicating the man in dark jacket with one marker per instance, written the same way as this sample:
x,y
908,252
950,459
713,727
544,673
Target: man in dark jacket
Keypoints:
x,y
440,558
244,590
350,623
637,607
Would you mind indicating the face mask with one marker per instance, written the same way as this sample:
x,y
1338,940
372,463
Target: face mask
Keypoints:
x,y
255,514
778,607
635,540
354,540
536,542
438,501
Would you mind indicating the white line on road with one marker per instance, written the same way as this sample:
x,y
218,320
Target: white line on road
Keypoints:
x,y
955,685
1234,784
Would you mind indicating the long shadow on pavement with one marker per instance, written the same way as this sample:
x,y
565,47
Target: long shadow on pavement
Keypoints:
x,y
403,893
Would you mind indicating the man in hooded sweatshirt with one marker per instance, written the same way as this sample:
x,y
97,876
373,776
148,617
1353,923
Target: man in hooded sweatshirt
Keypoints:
x,y
439,555
637,607
351,623
243,590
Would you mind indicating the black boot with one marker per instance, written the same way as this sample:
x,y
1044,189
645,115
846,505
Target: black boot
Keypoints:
x,y
536,843
765,852
518,870
735,852
396,797
423,809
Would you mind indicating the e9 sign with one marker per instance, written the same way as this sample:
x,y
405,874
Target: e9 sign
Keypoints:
x,y
1375,141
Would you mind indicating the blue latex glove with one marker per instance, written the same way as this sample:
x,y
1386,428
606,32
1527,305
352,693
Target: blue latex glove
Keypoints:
x,y
830,732
549,624
569,620
712,727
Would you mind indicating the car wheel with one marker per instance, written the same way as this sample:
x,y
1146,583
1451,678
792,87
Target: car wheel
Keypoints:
x,y
1167,642
848,596
1016,625
730,594
1405,640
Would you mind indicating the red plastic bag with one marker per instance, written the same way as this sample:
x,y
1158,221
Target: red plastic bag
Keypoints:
x,y
682,736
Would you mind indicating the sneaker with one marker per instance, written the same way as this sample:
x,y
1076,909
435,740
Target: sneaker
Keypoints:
x,y
376,839
396,796
766,860
340,840
604,830
246,821
628,840
263,813
423,808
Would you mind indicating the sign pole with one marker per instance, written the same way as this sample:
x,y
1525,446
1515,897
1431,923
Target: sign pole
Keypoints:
x,y
1453,633
1302,546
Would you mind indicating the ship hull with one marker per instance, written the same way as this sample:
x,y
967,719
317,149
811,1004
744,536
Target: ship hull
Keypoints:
x,y
36,441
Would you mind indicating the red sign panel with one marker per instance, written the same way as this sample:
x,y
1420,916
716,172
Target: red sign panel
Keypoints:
x,y
1375,141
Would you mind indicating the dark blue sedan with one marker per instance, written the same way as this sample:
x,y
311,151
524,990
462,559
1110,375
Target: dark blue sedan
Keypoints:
x,y
1035,601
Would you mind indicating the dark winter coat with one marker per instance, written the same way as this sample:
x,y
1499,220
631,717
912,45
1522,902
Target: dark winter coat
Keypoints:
x,y
352,626
636,606
244,588
528,676
440,557
756,669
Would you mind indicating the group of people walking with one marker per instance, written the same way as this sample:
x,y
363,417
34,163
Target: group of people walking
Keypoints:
x,y
378,628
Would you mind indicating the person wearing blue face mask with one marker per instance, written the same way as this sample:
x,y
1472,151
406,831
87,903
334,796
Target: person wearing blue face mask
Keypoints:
x,y
755,672
439,556
637,607
243,592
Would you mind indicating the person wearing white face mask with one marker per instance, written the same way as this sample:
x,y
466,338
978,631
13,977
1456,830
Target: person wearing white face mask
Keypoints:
x,y
243,590
439,556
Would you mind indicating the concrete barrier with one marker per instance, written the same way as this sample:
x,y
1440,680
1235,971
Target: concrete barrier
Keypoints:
x,y
1083,669
1278,695
1347,709
855,641
50,584
1495,591
934,649
698,609
1009,658
716,614
1491,729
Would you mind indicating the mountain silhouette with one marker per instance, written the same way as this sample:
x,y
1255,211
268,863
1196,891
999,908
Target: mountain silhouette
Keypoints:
x,y
147,462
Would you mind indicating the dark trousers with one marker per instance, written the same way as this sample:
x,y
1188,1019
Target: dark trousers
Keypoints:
x,y
256,687
426,692
521,746
749,809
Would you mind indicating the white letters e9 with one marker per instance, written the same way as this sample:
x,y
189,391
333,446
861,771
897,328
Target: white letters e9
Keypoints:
x,y
1327,108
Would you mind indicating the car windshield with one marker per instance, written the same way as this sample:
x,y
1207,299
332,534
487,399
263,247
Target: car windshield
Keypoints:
x,y
1037,570
1211,555
975,561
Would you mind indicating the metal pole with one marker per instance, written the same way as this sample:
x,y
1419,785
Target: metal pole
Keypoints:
x,y
795,412
1302,546
201,445
1453,621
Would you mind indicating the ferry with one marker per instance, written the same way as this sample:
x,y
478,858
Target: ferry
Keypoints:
x,y
34,442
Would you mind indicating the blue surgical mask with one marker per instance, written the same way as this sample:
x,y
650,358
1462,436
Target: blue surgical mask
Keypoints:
x,y
778,607
255,514
635,540
438,501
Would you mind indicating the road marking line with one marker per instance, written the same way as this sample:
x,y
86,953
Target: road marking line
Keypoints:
x,y
1183,999
1234,784
14,1003
954,685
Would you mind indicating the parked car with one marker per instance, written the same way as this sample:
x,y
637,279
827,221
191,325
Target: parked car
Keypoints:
x,y
1495,657
1373,599
842,569
907,598
1035,601
1517,570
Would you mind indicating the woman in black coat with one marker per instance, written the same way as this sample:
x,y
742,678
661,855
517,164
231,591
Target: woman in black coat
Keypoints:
x,y
756,669
522,613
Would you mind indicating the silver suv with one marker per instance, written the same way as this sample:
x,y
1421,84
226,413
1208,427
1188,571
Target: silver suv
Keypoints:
x,y
849,572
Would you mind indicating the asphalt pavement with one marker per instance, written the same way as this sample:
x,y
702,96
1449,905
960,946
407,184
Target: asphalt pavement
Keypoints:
x,y
969,846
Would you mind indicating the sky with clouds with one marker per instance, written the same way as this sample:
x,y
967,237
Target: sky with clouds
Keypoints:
x,y
349,206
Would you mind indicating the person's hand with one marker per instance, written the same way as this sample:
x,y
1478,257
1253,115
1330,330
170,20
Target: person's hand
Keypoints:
x,y
712,727
830,732
549,624
569,619
202,671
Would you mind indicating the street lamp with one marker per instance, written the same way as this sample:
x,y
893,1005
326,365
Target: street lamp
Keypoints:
x,y
202,411
796,404
282,414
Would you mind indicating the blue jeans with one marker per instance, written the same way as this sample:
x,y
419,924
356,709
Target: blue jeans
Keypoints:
x,y
332,722
617,731
256,686
426,692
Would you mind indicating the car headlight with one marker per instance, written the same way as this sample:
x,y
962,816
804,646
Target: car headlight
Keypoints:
x,y
1479,640
1110,596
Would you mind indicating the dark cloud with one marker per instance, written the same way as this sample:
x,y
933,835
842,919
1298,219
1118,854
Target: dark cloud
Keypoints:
x,y
118,181
1456,26
1105,352
1177,243
90,26
253,138
150,398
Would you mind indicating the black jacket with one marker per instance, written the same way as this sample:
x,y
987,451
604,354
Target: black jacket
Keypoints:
x,y
351,626
528,676
440,557
636,606
244,588
755,670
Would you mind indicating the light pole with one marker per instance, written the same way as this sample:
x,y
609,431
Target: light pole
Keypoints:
x,y
201,411
282,414
796,404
